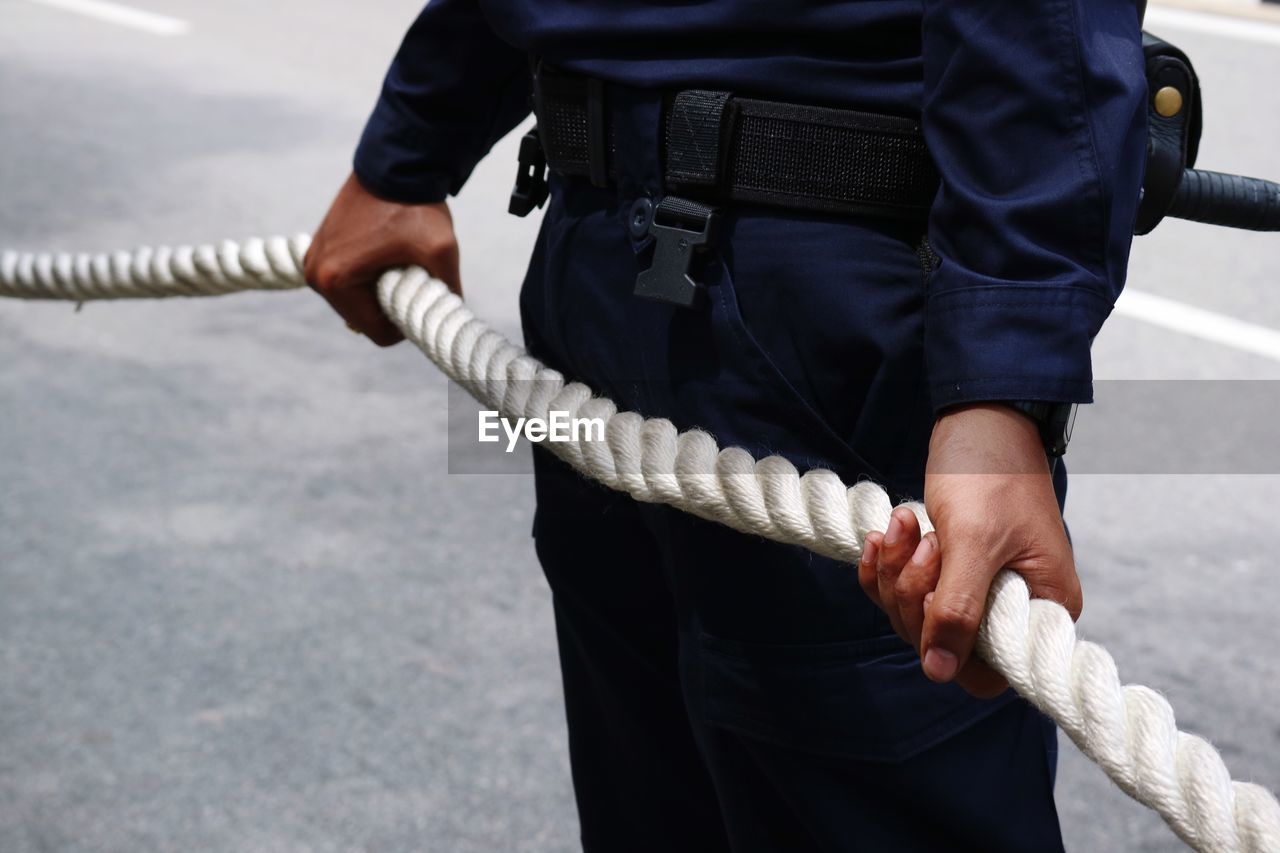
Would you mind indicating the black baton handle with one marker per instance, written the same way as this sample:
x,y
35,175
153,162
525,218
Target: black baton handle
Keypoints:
x,y
1232,201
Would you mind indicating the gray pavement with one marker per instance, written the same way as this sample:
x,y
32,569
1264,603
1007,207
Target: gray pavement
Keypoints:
x,y
243,607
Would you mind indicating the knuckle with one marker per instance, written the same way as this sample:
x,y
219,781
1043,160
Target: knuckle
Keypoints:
x,y
440,245
958,614
326,274
967,528
1075,599
866,579
1062,588
910,586
437,240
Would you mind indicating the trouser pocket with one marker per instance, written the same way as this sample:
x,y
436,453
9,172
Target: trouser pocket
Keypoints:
x,y
863,699
831,313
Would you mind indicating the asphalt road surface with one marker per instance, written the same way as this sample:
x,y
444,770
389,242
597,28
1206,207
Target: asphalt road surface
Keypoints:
x,y
245,607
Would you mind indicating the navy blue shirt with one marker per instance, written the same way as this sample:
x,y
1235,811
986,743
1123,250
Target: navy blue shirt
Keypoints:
x,y
1033,110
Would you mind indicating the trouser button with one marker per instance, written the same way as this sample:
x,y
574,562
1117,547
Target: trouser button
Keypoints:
x,y
639,218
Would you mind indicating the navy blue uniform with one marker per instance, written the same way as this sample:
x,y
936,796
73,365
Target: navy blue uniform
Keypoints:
x,y
724,692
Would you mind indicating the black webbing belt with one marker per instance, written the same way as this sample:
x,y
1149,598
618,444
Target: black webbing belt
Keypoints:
x,y
719,148
723,148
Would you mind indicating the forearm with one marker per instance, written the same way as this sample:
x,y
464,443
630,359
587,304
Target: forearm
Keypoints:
x,y
1035,114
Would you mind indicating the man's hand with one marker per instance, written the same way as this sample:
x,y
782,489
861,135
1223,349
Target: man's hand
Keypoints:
x,y
990,497
361,237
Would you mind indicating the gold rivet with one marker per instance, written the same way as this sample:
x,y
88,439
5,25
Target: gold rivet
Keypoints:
x,y
1169,101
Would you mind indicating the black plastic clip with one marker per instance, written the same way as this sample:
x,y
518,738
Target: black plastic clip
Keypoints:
x,y
681,228
531,189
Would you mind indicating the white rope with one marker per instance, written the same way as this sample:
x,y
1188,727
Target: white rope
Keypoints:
x,y
1128,730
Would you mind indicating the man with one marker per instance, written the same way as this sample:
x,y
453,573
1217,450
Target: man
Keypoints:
x,y
726,693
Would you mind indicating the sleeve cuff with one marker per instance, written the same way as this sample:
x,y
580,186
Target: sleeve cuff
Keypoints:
x,y
423,188
1012,342
401,159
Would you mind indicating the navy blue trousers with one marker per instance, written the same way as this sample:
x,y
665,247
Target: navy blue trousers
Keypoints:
x,y
724,692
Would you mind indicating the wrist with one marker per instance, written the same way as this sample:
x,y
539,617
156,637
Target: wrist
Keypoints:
x,y
1053,421
985,438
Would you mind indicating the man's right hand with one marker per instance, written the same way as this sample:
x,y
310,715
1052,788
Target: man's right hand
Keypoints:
x,y
361,237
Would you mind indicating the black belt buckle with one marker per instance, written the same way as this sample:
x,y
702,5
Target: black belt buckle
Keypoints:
x,y
531,189
681,228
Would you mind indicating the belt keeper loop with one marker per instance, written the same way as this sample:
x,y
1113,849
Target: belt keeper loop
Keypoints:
x,y
537,71
699,128
597,148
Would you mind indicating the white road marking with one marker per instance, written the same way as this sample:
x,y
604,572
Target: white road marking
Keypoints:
x,y
1199,323
1218,25
125,16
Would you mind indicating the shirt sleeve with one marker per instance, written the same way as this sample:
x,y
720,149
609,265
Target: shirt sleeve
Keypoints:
x,y
453,90
1035,114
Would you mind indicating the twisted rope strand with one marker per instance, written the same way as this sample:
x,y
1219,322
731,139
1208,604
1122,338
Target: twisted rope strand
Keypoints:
x,y
1127,730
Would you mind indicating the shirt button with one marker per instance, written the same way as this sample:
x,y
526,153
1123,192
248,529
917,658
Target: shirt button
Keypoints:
x,y
639,218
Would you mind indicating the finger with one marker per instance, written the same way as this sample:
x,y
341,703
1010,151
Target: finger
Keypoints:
x,y
438,254
327,270
901,536
1054,578
359,306
918,579
443,261
867,566
981,680
900,541
309,264
350,265
951,624
977,678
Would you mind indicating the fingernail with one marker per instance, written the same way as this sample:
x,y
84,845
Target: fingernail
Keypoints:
x,y
894,532
869,551
940,664
924,551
